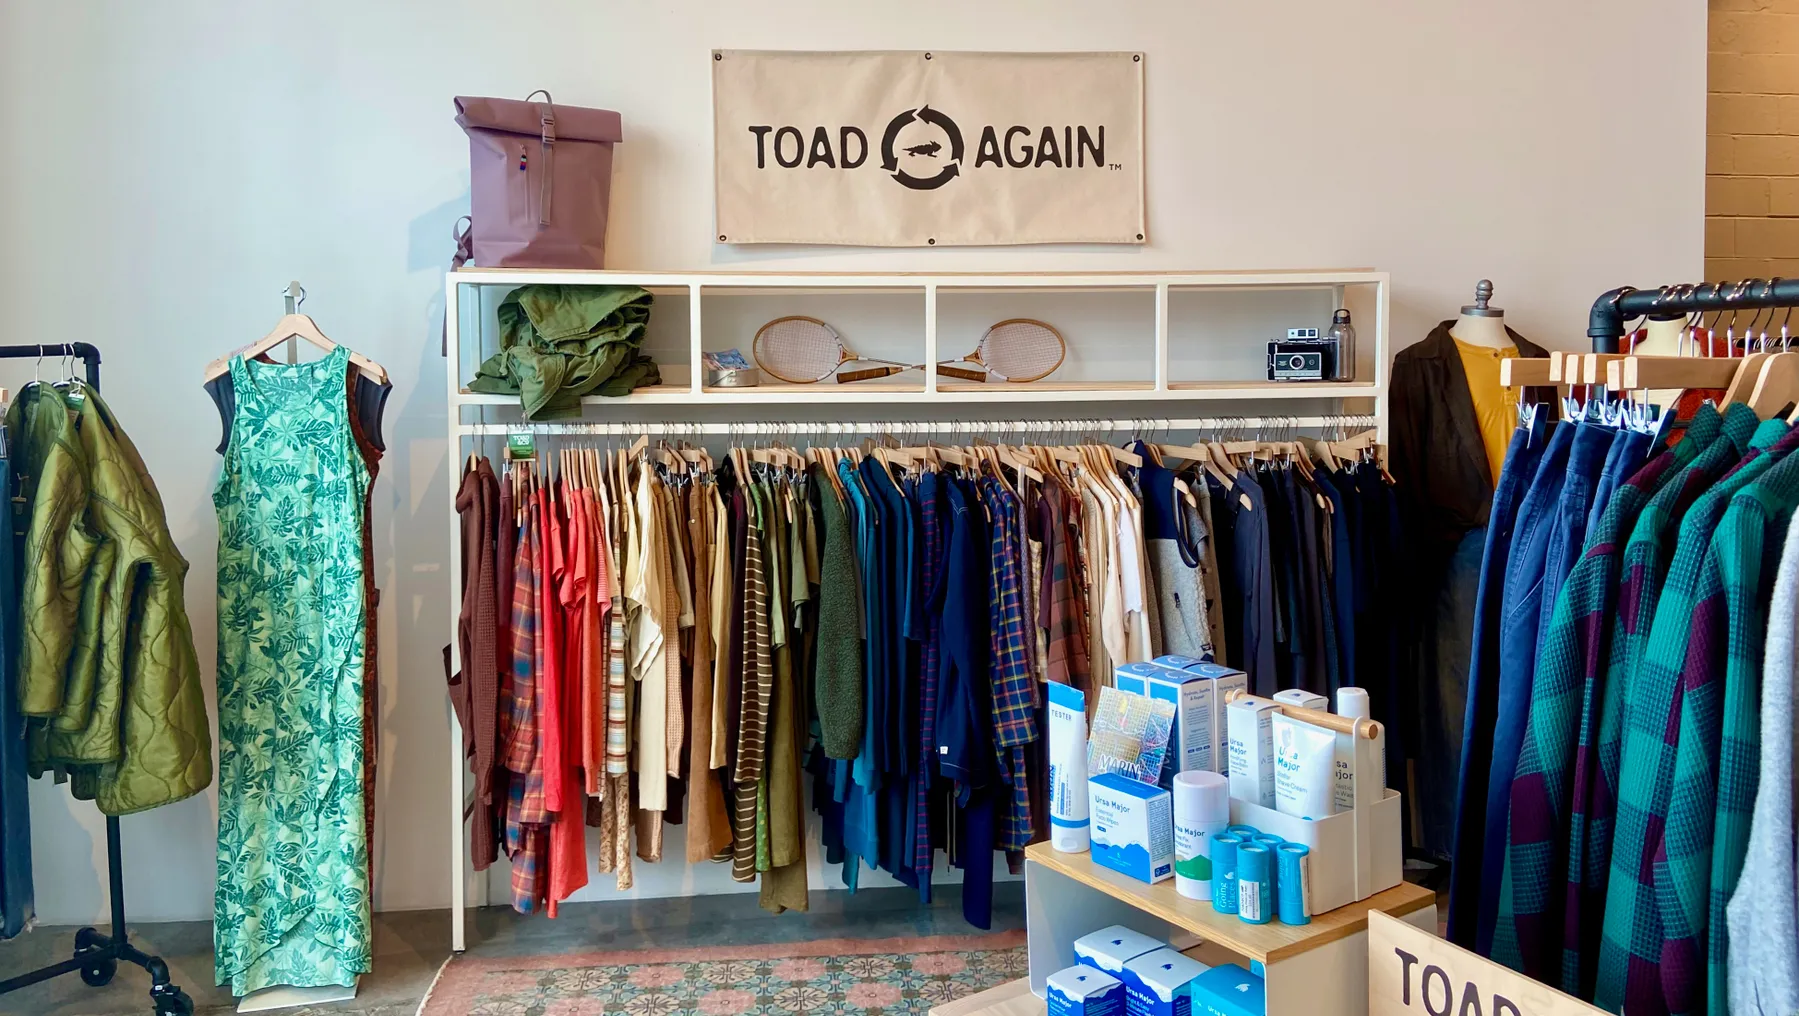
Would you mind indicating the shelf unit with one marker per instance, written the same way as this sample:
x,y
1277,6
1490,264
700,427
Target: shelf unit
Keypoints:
x,y
923,393
927,387
1319,968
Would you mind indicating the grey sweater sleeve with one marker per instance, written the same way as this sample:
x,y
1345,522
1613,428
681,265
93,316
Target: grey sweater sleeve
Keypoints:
x,y
1763,913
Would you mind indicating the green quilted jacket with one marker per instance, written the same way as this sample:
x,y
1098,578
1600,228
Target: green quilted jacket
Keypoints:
x,y
107,669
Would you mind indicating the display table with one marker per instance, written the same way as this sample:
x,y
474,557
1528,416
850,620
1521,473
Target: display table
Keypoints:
x,y
1318,969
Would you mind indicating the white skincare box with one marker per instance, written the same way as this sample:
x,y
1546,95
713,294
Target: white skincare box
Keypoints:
x,y
1084,991
1109,949
1160,983
1191,746
1224,680
1303,699
1133,826
1250,724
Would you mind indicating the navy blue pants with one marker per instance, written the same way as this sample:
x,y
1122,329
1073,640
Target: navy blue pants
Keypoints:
x,y
1476,753
1521,613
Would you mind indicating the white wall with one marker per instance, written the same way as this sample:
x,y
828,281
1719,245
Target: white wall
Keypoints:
x,y
168,167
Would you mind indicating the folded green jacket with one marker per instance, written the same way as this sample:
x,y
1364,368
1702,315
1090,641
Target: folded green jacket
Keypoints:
x,y
559,343
108,676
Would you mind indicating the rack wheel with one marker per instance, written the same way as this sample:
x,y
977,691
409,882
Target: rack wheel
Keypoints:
x,y
99,972
171,1001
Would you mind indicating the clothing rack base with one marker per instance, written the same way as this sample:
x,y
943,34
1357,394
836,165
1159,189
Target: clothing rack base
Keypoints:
x,y
97,955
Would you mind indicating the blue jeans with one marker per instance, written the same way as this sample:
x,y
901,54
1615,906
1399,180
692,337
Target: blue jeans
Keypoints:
x,y
1476,753
1628,454
1521,612
1587,459
16,902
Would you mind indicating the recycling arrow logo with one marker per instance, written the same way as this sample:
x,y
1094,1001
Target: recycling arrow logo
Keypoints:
x,y
890,153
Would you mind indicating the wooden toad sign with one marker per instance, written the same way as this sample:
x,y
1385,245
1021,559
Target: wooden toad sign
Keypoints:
x,y
1411,971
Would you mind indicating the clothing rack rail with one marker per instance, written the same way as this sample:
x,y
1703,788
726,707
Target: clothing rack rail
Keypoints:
x,y
1071,425
1606,322
97,955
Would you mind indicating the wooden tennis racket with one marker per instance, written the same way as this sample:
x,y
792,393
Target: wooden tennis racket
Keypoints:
x,y
804,350
1016,349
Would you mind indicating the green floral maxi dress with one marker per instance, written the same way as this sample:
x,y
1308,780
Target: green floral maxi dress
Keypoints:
x,y
292,905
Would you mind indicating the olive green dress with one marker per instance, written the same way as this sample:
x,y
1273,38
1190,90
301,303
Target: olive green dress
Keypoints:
x,y
292,905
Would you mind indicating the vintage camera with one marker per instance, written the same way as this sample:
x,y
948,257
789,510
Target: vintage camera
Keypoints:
x,y
1302,357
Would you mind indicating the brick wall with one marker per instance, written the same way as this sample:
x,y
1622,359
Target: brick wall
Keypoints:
x,y
1752,142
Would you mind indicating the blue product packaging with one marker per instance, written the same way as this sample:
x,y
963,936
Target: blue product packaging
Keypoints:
x,y
1293,883
1133,826
1190,747
1085,991
1224,871
1229,990
1178,662
1160,984
1255,884
1108,949
1248,832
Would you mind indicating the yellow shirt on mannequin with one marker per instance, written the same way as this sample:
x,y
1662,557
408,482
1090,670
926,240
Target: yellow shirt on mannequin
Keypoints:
x,y
1495,406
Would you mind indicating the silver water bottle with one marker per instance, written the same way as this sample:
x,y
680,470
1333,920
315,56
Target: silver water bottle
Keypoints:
x,y
1342,338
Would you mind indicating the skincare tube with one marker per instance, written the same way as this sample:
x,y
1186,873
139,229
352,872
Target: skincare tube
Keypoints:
x,y
1069,830
1293,883
1224,871
1255,883
1352,703
1304,769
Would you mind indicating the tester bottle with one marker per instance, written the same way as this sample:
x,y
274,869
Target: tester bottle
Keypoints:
x,y
1341,338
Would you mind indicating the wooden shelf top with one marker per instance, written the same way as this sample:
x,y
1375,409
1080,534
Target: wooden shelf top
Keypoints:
x,y
1265,942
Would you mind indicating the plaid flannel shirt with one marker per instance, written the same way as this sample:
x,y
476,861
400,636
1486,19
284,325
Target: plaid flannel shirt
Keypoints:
x,y
1014,692
527,818
1062,601
1539,904
1643,965
1716,763
1640,571
930,507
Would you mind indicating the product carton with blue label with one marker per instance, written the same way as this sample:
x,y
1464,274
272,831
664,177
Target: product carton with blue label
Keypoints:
x,y
1109,949
1133,826
1084,991
1160,984
1229,990
1224,680
1191,746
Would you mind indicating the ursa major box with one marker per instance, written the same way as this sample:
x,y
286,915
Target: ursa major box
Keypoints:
x,y
1133,826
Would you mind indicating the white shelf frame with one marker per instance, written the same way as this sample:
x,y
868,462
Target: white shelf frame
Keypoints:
x,y
1158,390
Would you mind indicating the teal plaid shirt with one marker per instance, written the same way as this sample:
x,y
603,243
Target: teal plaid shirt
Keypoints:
x,y
1642,967
1541,902
1717,760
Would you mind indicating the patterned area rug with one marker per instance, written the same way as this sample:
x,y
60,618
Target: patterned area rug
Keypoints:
x,y
833,977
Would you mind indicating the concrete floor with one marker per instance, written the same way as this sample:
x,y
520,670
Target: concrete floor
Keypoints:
x,y
411,945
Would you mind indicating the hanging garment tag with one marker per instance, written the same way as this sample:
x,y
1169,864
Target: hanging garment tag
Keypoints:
x,y
521,447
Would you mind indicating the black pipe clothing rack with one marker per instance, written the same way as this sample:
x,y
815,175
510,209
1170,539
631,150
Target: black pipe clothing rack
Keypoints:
x,y
1606,323
97,955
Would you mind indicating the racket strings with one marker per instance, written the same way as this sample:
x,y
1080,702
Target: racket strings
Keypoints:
x,y
1022,350
798,350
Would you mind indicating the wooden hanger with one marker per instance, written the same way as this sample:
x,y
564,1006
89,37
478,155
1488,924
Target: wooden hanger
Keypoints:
x,y
1634,372
293,325
1777,386
1522,372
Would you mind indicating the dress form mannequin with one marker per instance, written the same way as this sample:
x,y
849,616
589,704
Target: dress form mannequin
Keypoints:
x,y
1662,338
1479,324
